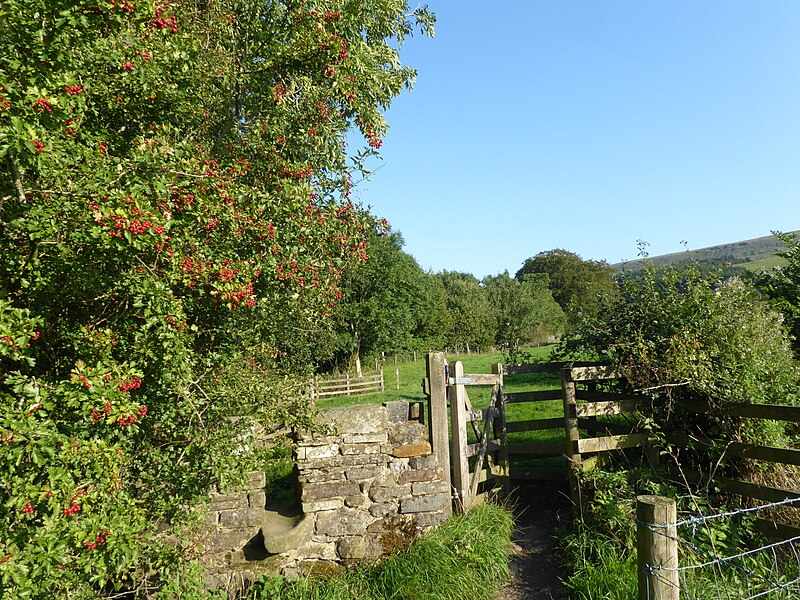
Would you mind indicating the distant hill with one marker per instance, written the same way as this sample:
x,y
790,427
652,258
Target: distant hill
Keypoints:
x,y
754,255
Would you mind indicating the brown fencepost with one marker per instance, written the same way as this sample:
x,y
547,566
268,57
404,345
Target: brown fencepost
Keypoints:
x,y
657,548
458,445
438,425
501,433
573,435
397,379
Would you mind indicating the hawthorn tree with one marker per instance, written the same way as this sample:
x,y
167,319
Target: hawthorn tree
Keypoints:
x,y
470,318
174,208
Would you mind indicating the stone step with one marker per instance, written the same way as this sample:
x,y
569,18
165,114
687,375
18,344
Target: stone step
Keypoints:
x,y
285,528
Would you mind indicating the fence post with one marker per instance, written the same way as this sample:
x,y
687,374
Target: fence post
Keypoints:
x,y
458,447
657,546
382,381
438,426
573,435
397,379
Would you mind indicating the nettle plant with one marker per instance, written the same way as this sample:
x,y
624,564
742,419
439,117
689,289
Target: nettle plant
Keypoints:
x,y
175,221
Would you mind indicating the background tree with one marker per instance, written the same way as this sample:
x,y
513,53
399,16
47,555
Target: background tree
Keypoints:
x,y
389,304
174,206
472,325
576,284
524,310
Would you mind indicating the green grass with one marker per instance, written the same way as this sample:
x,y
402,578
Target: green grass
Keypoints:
x,y
466,558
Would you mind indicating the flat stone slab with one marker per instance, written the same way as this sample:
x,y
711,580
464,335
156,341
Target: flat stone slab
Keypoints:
x,y
285,529
357,419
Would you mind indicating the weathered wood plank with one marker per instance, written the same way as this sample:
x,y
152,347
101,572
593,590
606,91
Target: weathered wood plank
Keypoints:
x,y
458,441
592,373
774,412
491,446
777,531
438,425
608,428
535,425
533,396
488,473
552,367
765,453
612,442
754,490
481,414
611,407
479,379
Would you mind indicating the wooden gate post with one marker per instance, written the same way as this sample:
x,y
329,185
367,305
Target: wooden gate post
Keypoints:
x,y
500,432
657,548
438,425
573,435
458,448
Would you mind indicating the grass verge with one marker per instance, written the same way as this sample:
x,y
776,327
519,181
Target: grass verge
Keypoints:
x,y
466,558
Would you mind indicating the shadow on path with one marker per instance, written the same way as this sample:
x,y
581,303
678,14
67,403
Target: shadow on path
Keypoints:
x,y
535,564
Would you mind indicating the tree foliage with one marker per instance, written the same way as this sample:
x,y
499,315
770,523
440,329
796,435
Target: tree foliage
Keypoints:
x,y
782,284
577,285
524,310
174,209
471,320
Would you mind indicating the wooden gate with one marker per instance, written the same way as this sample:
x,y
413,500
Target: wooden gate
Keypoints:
x,y
474,448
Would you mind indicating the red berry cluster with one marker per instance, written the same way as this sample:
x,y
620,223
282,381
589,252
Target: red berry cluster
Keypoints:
x,y
74,90
28,509
99,539
128,65
9,341
42,104
130,384
38,145
4,104
74,508
161,22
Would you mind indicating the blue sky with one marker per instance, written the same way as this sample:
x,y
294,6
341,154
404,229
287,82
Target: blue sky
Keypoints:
x,y
589,125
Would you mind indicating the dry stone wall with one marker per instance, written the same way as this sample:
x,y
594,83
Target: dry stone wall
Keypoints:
x,y
367,482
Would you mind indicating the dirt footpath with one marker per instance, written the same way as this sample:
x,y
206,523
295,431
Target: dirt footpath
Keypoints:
x,y
535,564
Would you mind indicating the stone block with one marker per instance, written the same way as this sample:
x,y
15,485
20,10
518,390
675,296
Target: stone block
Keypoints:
x,y
212,517
363,473
413,475
332,489
411,450
397,412
408,432
367,418
229,540
320,550
431,519
361,547
317,452
348,521
382,494
229,501
339,461
423,462
242,517
257,499
319,475
429,488
356,501
397,465
383,510
256,480
365,438
424,504
348,449
323,505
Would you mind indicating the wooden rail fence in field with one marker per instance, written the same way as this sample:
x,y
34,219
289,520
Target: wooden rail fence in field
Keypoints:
x,y
346,385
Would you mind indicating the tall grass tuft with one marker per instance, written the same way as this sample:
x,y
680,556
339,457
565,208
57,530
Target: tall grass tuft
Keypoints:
x,y
466,558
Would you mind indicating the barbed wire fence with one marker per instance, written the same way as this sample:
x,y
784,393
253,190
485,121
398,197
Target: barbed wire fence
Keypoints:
x,y
694,558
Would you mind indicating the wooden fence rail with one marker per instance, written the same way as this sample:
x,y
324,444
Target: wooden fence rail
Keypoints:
x,y
347,385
